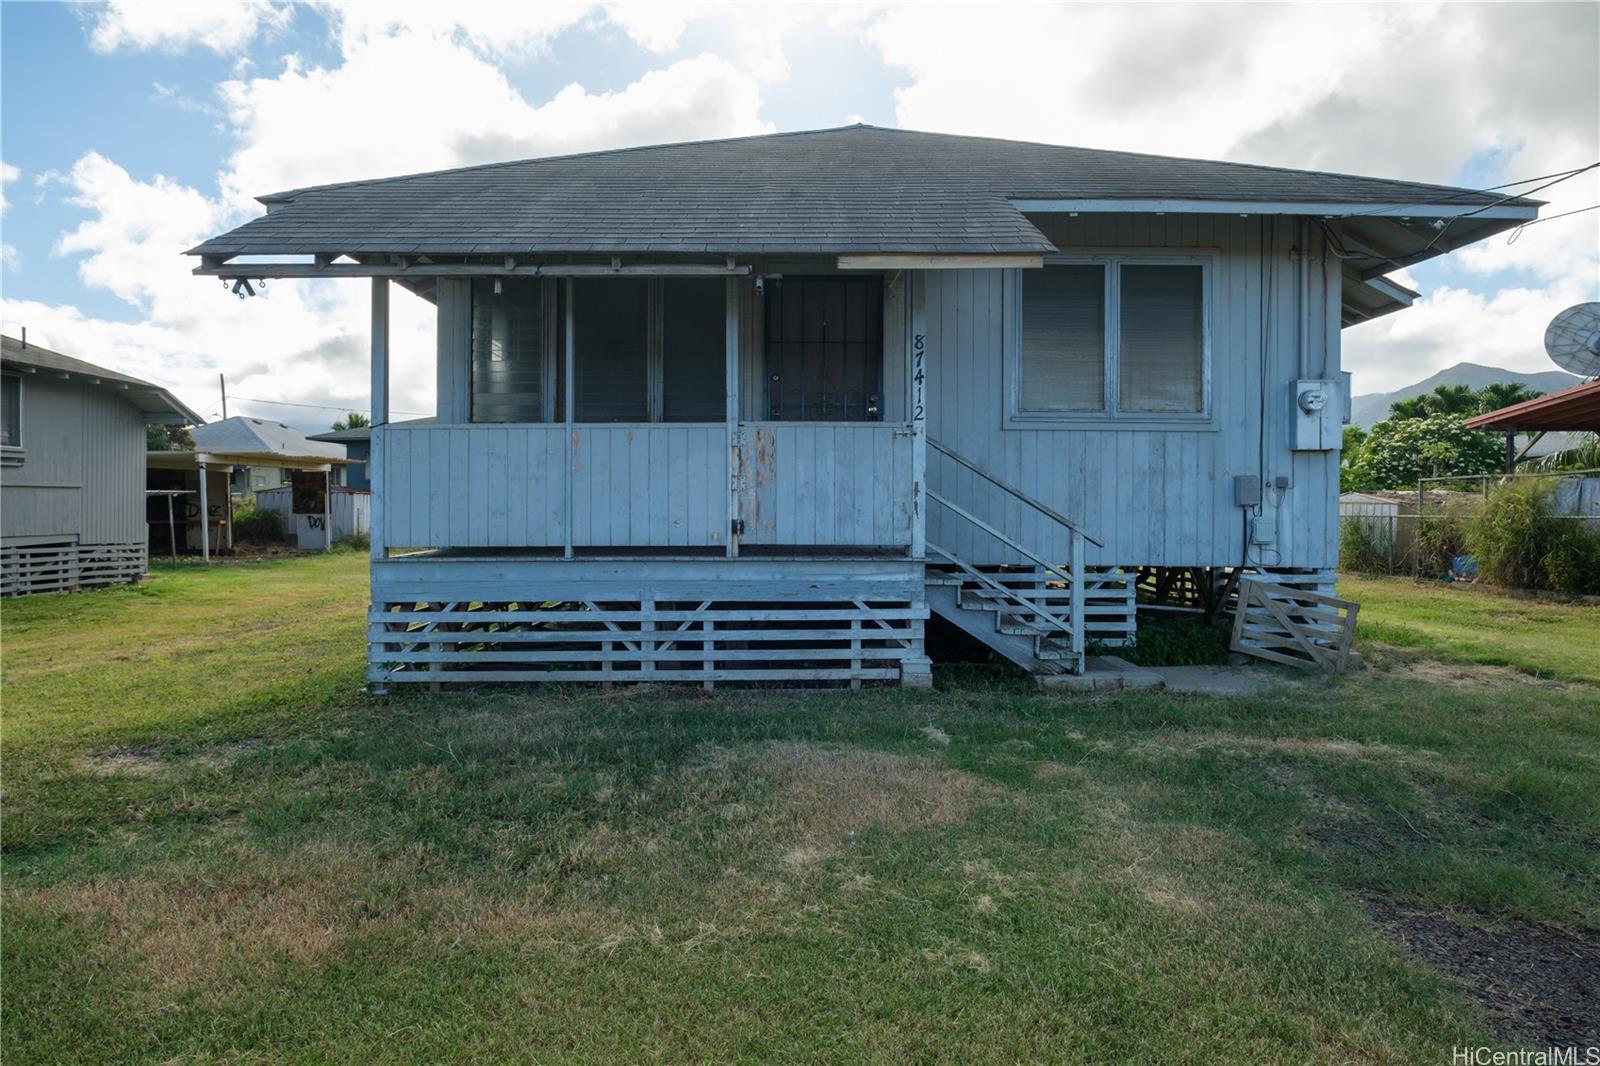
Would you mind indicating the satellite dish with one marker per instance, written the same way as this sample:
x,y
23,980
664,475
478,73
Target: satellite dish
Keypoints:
x,y
1573,340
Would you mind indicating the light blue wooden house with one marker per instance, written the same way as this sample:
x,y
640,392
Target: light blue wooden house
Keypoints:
x,y
752,410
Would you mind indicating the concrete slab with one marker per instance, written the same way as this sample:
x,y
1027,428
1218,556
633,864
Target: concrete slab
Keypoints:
x,y
1104,673
1214,680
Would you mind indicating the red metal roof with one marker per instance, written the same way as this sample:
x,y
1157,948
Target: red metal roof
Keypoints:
x,y
1577,408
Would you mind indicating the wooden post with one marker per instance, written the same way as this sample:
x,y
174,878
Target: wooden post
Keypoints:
x,y
571,434
327,508
205,517
735,453
380,414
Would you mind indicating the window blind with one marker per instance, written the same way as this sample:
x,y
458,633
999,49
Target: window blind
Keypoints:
x,y
694,349
611,327
1162,358
507,351
1063,339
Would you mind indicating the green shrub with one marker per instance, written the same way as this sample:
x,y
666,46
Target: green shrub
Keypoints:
x,y
257,525
1520,541
1439,540
360,540
1365,546
1178,642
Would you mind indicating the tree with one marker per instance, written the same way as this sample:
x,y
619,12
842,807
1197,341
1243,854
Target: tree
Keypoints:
x,y
160,438
353,420
1443,400
1503,394
1400,450
1350,451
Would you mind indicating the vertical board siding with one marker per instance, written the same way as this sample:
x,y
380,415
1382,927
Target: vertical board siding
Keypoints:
x,y
83,472
504,485
1155,496
473,487
839,483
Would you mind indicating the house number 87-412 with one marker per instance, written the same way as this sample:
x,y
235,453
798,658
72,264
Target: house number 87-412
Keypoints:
x,y
919,377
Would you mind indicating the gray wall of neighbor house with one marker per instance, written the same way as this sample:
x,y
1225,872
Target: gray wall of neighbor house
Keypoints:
x,y
1157,488
78,467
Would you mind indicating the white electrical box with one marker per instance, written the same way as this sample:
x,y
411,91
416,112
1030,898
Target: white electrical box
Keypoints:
x,y
1316,415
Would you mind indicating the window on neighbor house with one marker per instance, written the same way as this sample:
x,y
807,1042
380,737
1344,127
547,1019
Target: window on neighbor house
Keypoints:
x,y
1113,337
11,411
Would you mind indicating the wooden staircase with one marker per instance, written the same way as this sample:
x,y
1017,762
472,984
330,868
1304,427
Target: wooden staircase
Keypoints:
x,y
1033,615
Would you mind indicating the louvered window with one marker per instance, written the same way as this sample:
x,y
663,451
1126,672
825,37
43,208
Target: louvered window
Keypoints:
x,y
1112,338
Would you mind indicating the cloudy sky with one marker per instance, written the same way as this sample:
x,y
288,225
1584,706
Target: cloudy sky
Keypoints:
x,y
129,132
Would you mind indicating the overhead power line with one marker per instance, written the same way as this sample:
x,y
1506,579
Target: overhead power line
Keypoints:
x,y
317,406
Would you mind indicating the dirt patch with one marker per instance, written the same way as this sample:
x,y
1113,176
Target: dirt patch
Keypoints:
x,y
828,793
1539,985
128,762
1462,676
1315,747
196,931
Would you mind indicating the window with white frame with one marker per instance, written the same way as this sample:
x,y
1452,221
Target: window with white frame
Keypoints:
x,y
1113,337
10,411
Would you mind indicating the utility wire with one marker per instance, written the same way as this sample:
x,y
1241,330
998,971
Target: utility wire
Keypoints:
x,y
318,406
1559,176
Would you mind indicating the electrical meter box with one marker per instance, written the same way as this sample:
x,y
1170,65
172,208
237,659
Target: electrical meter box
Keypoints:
x,y
1316,415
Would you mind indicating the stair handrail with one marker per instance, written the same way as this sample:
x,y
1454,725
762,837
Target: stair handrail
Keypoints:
x,y
1038,505
1022,603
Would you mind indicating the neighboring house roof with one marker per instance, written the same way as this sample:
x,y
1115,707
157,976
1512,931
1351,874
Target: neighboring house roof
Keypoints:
x,y
364,433
344,436
259,441
155,402
1577,408
858,189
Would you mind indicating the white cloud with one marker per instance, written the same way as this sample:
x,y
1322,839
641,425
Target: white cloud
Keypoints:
x,y
8,174
222,26
1404,91
307,341
1454,325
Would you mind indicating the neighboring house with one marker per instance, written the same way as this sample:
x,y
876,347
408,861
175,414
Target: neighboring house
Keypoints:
x,y
750,410
356,442
220,450
72,484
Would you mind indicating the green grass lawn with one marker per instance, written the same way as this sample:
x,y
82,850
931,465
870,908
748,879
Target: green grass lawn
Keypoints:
x,y
217,848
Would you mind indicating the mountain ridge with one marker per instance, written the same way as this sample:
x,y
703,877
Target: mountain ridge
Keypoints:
x,y
1373,407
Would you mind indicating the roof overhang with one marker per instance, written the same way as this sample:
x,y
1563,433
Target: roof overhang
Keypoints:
x,y
1366,299
1574,409
188,460
156,404
1324,209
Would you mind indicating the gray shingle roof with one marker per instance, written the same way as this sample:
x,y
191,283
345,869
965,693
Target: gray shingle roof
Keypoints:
x,y
243,435
858,189
149,398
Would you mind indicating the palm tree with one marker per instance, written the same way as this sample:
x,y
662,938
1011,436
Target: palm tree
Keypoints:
x,y
353,420
1452,400
1503,394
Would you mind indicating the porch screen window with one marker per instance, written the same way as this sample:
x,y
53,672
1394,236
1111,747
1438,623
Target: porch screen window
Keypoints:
x,y
1063,339
1163,350
509,365
650,350
824,349
611,321
11,411
1113,338
694,349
